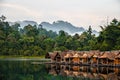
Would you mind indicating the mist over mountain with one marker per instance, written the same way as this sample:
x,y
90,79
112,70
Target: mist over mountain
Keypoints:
x,y
62,25
55,26
24,23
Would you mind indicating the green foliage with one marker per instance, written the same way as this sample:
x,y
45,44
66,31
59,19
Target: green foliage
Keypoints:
x,y
109,37
35,41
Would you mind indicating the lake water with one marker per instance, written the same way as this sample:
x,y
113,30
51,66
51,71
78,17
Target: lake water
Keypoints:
x,y
25,70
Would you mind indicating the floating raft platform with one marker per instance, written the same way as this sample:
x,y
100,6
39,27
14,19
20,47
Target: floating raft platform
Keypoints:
x,y
76,64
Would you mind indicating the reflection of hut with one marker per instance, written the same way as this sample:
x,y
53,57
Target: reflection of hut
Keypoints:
x,y
112,76
62,73
102,77
76,68
84,74
52,71
69,73
104,70
94,70
76,73
84,68
91,76
117,70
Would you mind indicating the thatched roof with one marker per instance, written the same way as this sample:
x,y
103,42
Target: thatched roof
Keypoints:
x,y
48,55
118,56
101,53
108,55
96,56
76,55
90,55
63,54
84,55
54,55
68,55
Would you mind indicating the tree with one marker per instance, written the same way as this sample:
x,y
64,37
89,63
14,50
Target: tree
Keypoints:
x,y
16,26
89,32
49,44
2,18
109,36
31,30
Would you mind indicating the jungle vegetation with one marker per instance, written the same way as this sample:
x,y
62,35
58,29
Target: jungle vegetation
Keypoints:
x,y
37,41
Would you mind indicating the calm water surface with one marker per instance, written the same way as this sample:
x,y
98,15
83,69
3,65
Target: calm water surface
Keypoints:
x,y
25,70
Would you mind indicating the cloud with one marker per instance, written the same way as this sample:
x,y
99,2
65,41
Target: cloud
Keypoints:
x,y
79,12
18,10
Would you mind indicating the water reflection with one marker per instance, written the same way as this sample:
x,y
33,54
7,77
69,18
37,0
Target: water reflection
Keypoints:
x,y
99,73
25,70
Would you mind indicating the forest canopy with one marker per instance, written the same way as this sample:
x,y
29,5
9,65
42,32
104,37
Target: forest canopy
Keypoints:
x,y
36,41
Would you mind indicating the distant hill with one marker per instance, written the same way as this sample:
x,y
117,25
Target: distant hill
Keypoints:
x,y
24,23
61,25
56,26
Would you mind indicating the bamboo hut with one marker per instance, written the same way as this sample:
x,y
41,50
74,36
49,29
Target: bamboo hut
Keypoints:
x,y
48,55
89,58
55,57
76,58
63,54
68,57
110,58
107,58
84,58
94,57
115,52
76,68
117,59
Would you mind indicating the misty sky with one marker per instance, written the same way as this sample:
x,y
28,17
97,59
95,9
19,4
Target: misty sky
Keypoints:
x,y
78,12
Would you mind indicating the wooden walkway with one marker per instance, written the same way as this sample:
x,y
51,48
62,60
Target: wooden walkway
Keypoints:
x,y
75,64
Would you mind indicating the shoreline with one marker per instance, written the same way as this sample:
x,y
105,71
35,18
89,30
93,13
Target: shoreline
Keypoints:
x,y
16,56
